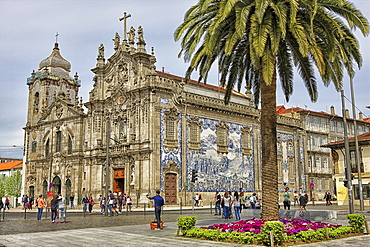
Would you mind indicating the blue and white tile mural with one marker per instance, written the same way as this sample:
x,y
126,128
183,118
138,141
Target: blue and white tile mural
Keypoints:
x,y
216,172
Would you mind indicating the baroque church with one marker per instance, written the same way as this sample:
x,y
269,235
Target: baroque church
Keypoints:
x,y
142,130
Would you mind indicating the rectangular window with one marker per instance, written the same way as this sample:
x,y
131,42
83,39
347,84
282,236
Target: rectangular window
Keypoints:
x,y
332,126
59,141
365,191
170,129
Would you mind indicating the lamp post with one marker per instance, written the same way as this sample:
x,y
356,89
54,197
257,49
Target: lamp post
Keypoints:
x,y
348,171
357,153
107,166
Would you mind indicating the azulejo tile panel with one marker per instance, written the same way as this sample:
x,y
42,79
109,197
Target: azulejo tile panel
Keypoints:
x,y
216,171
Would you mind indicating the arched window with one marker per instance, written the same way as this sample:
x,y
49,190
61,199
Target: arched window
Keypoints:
x,y
47,148
44,189
36,103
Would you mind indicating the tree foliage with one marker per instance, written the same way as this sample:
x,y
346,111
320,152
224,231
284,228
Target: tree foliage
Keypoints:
x,y
13,184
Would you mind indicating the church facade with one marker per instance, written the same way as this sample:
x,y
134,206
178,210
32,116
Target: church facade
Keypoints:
x,y
143,130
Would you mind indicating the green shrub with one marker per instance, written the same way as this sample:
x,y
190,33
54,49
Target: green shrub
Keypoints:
x,y
217,235
186,223
357,222
277,227
339,232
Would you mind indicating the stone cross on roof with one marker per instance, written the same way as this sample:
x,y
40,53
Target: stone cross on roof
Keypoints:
x,y
124,18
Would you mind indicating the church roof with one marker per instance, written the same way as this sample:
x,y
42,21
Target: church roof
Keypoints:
x,y
55,61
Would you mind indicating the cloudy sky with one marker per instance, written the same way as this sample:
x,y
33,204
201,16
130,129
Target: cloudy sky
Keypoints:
x,y
27,36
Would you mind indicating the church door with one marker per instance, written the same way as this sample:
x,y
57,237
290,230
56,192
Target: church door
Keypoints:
x,y
119,180
171,188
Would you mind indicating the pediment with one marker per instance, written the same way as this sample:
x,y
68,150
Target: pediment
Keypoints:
x,y
60,110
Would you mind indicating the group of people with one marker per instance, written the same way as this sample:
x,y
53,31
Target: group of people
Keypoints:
x,y
227,201
198,201
301,198
115,202
4,205
57,207
27,202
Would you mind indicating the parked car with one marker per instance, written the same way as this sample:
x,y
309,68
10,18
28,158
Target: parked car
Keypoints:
x,y
247,202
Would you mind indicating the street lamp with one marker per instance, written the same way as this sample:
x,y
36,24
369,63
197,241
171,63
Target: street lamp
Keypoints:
x,y
107,165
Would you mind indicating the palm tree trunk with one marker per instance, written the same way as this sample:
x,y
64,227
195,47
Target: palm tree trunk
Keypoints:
x,y
270,197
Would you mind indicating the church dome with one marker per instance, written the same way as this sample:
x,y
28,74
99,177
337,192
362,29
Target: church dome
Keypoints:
x,y
55,61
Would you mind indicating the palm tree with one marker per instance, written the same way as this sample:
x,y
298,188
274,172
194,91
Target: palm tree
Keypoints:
x,y
259,41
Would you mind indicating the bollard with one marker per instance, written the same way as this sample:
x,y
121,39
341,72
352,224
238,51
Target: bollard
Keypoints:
x,y
180,208
272,238
126,210
25,213
366,226
210,205
326,233
144,208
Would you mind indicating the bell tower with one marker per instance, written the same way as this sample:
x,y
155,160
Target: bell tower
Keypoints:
x,y
52,79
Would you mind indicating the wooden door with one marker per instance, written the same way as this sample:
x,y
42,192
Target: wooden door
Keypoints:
x,y
171,188
119,180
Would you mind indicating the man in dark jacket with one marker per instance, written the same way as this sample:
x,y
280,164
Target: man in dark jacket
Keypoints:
x,y
158,203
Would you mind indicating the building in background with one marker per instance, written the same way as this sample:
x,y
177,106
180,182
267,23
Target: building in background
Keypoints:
x,y
339,177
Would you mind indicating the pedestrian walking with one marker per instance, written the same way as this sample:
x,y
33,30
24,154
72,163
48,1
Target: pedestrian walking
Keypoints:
x,y
253,200
85,202
129,203
226,202
40,203
31,201
217,201
296,197
110,205
1,204
286,199
61,209
72,201
54,208
25,201
7,201
102,205
236,204
158,203
327,198
303,199
200,200
242,201
91,204
196,200
119,202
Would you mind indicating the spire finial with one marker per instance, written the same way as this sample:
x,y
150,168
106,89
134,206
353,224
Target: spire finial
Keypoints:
x,y
56,37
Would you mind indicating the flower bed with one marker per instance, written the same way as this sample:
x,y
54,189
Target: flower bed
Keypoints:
x,y
255,225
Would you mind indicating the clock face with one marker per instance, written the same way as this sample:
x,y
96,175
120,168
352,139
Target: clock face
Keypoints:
x,y
121,99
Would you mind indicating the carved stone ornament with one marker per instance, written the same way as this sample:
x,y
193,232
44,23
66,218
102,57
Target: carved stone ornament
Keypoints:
x,y
171,167
31,180
121,99
59,110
